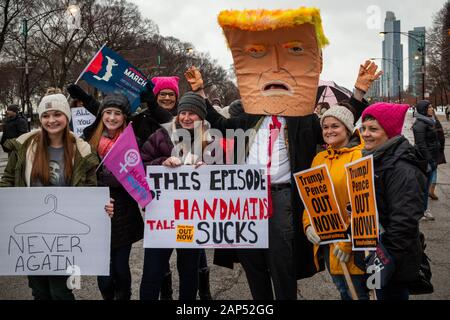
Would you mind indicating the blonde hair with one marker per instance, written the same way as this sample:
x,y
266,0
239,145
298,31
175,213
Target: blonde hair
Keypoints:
x,y
261,20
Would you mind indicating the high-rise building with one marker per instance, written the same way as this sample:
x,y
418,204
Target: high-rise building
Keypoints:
x,y
375,90
415,50
392,63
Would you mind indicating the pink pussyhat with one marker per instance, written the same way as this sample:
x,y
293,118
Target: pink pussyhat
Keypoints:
x,y
390,116
162,83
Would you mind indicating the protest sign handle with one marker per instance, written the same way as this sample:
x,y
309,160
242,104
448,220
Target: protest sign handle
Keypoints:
x,y
349,281
372,293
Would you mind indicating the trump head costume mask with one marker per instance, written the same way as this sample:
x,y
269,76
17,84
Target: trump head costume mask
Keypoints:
x,y
277,57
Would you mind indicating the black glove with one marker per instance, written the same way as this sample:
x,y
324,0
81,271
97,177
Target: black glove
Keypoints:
x,y
89,102
147,96
76,92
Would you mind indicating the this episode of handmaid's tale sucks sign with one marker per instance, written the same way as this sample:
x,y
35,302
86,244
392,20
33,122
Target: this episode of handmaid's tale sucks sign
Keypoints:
x,y
317,193
208,207
364,220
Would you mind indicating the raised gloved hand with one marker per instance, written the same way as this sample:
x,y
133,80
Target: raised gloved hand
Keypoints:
x,y
194,78
89,102
340,254
147,96
367,75
312,235
76,92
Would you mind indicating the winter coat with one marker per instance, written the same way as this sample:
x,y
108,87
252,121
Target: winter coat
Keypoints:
x,y
426,138
335,160
144,124
303,134
400,184
441,137
20,162
13,128
159,146
127,225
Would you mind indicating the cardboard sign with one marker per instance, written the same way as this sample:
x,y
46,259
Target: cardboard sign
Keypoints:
x,y
317,193
364,219
81,118
55,231
207,207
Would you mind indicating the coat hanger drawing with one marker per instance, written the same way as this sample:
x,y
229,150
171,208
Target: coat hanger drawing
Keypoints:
x,y
52,222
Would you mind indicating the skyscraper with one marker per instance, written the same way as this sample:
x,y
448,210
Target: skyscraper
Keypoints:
x,y
392,63
415,60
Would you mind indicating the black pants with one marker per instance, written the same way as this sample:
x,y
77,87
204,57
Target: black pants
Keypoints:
x,y
50,288
264,267
155,267
118,284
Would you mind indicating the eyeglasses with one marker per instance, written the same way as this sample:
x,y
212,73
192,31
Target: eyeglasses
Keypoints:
x,y
167,94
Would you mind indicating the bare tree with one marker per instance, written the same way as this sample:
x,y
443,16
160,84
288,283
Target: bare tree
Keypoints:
x,y
438,54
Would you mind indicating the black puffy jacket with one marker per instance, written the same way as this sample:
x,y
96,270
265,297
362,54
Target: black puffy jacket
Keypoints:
x,y
400,183
426,138
127,225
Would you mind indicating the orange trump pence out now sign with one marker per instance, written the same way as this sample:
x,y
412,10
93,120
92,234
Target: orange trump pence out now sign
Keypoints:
x,y
317,193
364,221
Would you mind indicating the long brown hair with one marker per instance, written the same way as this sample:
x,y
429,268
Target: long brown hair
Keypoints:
x,y
40,171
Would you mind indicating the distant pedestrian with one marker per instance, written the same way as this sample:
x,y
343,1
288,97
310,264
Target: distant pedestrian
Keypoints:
x,y
426,140
14,126
440,159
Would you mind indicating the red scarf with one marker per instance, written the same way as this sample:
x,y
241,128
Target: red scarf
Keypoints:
x,y
105,144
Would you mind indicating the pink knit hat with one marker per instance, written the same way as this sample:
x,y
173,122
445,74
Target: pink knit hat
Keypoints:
x,y
390,116
162,83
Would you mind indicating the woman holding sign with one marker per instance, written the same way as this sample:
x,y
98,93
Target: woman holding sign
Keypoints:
x,y
51,156
400,185
127,225
159,150
344,145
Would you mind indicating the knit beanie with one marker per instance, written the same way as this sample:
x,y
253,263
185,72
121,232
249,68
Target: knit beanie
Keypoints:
x,y
54,102
162,83
341,113
390,116
422,107
194,103
116,100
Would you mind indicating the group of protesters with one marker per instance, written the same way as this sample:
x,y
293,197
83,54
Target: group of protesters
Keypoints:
x,y
295,250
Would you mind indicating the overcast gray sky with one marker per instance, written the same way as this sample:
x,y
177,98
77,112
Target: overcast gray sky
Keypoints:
x,y
351,26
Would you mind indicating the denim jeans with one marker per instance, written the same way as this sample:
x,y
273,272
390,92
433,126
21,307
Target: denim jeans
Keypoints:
x,y
359,281
118,284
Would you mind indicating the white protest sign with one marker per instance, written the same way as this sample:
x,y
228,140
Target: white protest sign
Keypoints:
x,y
81,118
207,207
49,230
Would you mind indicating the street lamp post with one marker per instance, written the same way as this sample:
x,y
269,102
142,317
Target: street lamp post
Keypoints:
x,y
421,49
27,78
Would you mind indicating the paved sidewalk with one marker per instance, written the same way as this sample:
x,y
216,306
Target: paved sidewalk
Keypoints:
x,y
231,284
